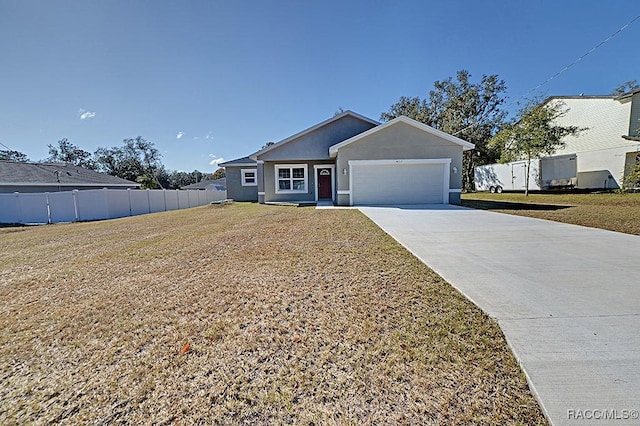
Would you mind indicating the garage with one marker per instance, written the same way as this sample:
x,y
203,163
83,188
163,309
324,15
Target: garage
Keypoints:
x,y
399,182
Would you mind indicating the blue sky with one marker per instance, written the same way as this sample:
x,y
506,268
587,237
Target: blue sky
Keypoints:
x,y
212,79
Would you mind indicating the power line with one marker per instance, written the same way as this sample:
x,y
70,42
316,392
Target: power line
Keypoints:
x,y
593,49
5,146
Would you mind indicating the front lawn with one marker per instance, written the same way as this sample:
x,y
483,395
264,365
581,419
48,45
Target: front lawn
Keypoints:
x,y
613,211
292,315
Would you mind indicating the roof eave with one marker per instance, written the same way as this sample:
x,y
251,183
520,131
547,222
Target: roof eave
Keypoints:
x,y
333,150
627,95
231,162
255,155
238,165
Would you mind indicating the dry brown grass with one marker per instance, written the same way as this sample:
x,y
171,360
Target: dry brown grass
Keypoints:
x,y
292,316
612,211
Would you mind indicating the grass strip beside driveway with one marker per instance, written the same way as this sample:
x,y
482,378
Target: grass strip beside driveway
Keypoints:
x,y
612,211
291,315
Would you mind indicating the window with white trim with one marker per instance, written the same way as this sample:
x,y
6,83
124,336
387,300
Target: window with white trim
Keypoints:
x,y
291,178
249,177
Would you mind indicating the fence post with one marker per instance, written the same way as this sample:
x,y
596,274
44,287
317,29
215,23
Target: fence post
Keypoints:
x,y
148,201
75,204
17,194
164,196
105,197
46,197
129,194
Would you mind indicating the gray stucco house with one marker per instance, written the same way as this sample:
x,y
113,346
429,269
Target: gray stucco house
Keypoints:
x,y
242,179
353,160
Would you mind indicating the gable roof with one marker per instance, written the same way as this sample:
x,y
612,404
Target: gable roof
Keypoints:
x,y
549,98
238,162
54,174
628,94
583,96
203,184
333,151
313,128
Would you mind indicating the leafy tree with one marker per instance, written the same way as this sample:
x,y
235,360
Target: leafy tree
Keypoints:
x,y
218,174
11,155
147,155
533,135
627,86
163,177
138,160
178,179
66,152
470,111
175,179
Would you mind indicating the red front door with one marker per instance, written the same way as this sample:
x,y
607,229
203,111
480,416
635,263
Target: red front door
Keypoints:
x,y
324,184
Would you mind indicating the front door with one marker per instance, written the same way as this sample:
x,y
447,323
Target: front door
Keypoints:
x,y
324,184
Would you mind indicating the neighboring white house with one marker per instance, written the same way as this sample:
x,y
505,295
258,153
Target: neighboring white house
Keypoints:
x,y
602,154
612,141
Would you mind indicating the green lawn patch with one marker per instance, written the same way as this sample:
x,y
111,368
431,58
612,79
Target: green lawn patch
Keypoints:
x,y
613,211
292,316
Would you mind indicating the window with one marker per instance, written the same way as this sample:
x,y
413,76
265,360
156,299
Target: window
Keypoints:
x,y
291,178
249,177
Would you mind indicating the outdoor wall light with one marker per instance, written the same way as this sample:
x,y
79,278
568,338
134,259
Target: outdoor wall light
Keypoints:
x,y
344,172
455,170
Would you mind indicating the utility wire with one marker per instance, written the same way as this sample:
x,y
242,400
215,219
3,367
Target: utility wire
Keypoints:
x,y
6,146
593,49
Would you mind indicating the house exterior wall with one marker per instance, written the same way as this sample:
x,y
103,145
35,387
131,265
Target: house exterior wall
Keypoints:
x,y
634,120
603,168
606,119
235,190
270,182
261,181
315,145
600,150
401,141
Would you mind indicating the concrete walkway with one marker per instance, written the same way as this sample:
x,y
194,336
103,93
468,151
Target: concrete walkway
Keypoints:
x,y
567,298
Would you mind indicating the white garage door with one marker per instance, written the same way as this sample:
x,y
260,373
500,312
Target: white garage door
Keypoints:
x,y
398,182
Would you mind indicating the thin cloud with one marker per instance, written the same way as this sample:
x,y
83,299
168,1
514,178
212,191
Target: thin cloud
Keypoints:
x,y
215,160
209,136
179,135
85,115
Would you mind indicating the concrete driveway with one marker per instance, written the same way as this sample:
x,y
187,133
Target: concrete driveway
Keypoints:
x,y
567,298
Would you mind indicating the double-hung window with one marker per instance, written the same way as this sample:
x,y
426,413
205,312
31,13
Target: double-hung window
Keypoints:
x,y
249,177
291,178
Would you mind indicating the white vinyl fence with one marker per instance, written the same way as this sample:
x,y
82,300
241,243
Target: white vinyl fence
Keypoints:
x,y
98,204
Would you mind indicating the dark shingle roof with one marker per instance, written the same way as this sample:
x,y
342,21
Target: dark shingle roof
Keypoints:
x,y
238,162
56,173
222,182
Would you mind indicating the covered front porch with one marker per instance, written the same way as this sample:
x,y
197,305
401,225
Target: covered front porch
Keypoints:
x,y
296,182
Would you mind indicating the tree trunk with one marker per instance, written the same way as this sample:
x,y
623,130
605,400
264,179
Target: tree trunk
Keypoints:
x,y
526,177
467,171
